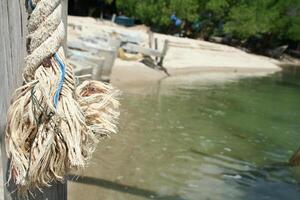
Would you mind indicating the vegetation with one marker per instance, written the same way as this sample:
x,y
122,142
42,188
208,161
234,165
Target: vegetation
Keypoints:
x,y
276,22
158,12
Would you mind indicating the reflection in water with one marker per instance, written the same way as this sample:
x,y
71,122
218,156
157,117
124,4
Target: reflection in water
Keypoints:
x,y
201,140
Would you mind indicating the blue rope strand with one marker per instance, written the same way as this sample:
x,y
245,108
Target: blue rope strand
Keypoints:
x,y
61,81
61,67
30,4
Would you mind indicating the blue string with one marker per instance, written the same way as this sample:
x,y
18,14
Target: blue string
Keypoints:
x,y
61,67
30,4
62,79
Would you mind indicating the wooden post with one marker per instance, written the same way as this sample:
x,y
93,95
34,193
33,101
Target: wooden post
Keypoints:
x,y
156,48
150,38
164,52
13,23
12,52
113,19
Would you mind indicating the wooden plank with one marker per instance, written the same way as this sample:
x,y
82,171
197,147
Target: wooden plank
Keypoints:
x,y
12,52
13,20
107,50
139,49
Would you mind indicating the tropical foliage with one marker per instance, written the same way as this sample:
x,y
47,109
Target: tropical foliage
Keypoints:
x,y
277,20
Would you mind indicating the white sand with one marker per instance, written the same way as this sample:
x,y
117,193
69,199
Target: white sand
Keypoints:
x,y
183,52
184,57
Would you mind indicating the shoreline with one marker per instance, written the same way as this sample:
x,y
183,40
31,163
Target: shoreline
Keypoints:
x,y
137,78
185,56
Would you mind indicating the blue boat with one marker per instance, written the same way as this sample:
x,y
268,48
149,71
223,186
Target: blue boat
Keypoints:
x,y
125,21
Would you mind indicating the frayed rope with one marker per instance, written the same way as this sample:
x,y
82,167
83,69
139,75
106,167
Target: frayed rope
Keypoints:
x,y
31,7
53,125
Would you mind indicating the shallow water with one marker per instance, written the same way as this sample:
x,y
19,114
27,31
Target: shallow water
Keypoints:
x,y
201,140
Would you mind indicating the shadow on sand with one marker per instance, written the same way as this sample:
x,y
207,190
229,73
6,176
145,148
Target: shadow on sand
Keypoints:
x,y
123,188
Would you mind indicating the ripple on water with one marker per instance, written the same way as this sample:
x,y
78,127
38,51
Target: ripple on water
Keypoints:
x,y
200,141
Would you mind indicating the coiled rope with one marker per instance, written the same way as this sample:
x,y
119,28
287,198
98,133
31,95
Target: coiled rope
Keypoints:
x,y
52,125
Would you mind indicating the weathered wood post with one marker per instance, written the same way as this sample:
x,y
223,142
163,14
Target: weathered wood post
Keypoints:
x,y
156,47
164,52
113,19
13,20
12,53
150,38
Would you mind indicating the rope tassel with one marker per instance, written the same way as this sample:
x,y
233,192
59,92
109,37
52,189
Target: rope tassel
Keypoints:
x,y
52,125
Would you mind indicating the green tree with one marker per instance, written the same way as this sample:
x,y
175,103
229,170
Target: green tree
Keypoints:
x,y
158,12
273,21
260,18
253,18
290,22
218,8
294,30
128,6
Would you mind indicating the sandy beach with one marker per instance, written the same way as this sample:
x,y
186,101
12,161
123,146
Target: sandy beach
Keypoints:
x,y
185,56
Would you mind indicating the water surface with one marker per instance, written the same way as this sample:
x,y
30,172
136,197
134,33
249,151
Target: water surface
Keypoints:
x,y
199,140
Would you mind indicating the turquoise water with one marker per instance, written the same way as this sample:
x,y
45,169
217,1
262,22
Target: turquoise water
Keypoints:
x,y
201,140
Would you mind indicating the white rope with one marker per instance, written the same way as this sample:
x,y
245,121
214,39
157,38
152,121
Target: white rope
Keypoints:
x,y
52,126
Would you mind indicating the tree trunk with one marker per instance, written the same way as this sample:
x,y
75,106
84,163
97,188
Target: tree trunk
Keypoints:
x,y
13,24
